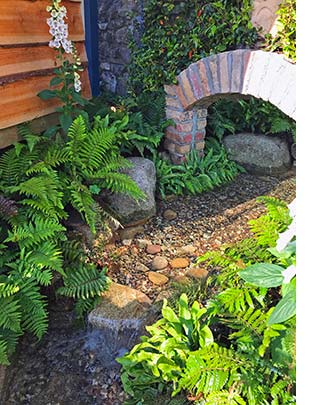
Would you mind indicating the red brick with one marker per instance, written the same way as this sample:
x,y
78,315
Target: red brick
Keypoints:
x,y
199,146
177,137
187,89
170,90
195,80
224,72
179,116
204,80
181,97
201,124
212,63
183,149
240,61
201,113
184,127
173,102
199,136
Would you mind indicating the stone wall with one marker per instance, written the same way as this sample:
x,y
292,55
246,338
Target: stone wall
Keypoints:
x,y
116,23
264,14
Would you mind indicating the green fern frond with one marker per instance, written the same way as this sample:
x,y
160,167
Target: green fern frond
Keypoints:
x,y
121,183
83,282
35,317
35,232
10,314
208,370
225,397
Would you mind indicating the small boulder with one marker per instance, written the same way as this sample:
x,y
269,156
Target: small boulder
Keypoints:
x,y
118,320
128,210
259,154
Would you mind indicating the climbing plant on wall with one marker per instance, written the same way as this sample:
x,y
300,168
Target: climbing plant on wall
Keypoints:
x,y
177,33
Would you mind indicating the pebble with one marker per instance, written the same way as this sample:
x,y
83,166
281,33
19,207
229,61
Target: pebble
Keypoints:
x,y
142,243
153,249
181,280
180,263
169,215
141,267
129,233
159,263
127,242
197,273
186,250
157,278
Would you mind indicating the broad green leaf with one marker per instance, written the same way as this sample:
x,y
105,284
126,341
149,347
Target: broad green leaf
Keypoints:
x,y
285,309
47,94
263,275
55,81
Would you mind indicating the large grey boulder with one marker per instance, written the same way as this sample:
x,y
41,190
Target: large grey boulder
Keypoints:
x,y
128,210
118,321
259,154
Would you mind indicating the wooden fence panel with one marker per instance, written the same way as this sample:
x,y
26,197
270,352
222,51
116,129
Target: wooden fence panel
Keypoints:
x,y
27,62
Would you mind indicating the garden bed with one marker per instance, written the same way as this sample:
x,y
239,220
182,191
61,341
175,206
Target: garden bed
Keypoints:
x,y
63,369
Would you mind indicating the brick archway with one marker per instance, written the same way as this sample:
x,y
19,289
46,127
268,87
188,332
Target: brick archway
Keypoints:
x,y
264,75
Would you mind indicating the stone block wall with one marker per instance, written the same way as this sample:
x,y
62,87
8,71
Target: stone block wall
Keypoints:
x,y
116,24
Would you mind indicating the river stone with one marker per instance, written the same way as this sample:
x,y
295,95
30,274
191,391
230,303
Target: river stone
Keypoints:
x,y
153,249
197,273
180,263
118,321
159,263
169,215
128,210
259,154
157,278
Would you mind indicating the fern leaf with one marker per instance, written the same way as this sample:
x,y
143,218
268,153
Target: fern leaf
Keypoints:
x,y
84,282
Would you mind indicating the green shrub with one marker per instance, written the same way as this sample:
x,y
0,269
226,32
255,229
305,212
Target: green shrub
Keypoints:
x,y
146,120
253,115
284,41
196,174
41,180
177,33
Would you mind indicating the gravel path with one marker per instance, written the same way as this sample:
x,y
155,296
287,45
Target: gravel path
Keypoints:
x,y
61,369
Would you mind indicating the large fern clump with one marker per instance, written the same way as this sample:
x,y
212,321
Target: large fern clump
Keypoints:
x,y
227,350
43,179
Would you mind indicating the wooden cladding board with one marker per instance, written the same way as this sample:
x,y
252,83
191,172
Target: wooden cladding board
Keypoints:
x,y
19,101
26,60
24,21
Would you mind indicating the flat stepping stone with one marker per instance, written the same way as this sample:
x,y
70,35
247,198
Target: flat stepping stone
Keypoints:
x,y
157,278
180,263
